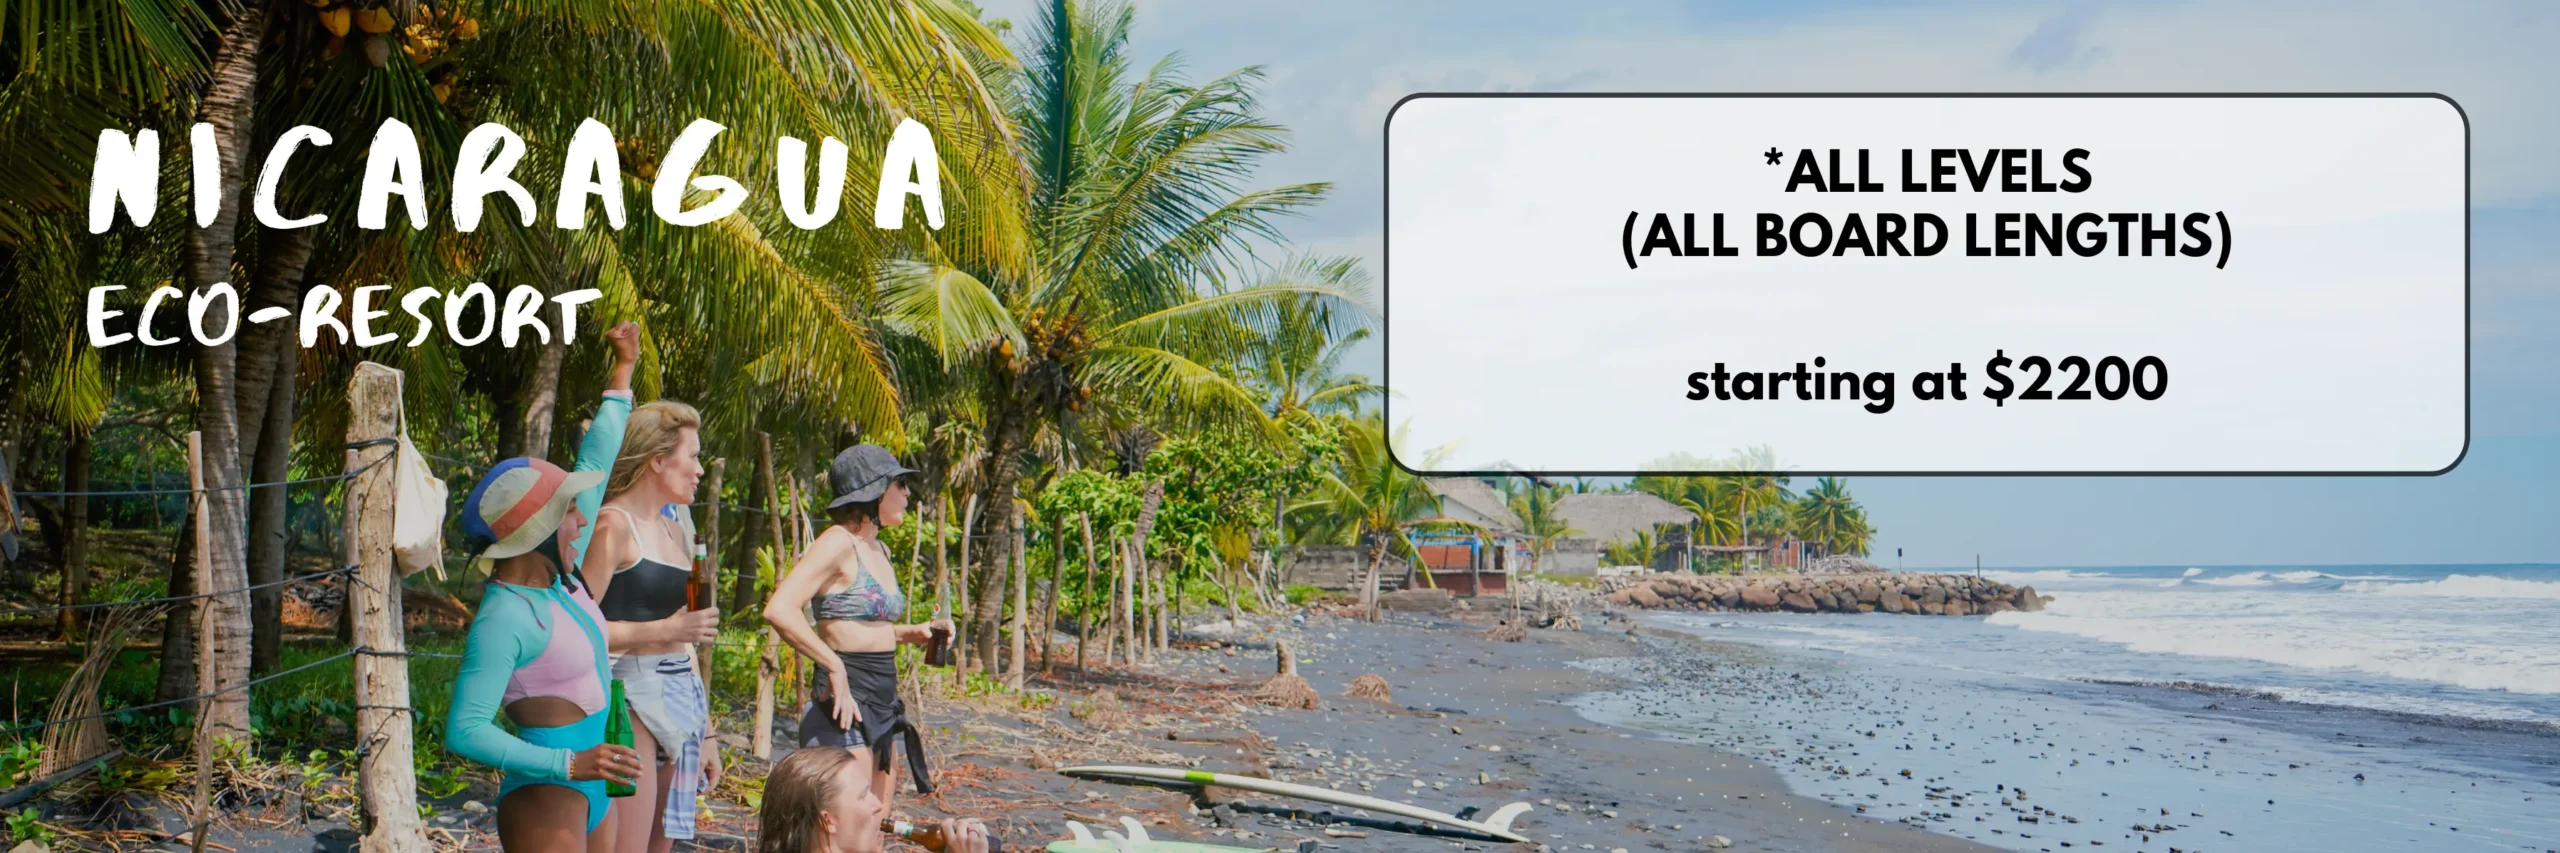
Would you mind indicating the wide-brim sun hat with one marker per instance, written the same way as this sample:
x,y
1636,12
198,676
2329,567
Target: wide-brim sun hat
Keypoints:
x,y
863,473
519,503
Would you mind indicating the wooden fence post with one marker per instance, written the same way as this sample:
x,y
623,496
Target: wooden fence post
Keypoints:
x,y
962,630
710,584
1021,604
203,815
1057,587
385,774
1084,591
768,664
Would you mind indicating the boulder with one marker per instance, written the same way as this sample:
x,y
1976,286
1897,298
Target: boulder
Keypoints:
x,y
1959,607
2027,600
1757,596
1728,596
1997,606
1798,602
1932,608
1934,594
1894,602
1644,596
1839,564
1867,593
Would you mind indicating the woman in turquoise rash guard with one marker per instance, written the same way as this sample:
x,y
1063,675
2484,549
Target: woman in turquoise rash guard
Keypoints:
x,y
538,643
537,648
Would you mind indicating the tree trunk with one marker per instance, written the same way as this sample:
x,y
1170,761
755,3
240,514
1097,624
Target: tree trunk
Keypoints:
x,y
1021,647
1124,605
177,637
510,418
1057,584
941,551
1004,473
542,397
1084,592
75,529
1369,587
268,551
229,94
742,590
966,644
1147,506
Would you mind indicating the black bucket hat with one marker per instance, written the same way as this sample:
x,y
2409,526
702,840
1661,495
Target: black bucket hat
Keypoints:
x,y
862,473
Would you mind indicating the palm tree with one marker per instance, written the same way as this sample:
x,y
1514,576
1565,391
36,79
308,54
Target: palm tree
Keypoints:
x,y
1638,551
1759,485
1827,515
1370,500
1295,362
1136,286
1539,523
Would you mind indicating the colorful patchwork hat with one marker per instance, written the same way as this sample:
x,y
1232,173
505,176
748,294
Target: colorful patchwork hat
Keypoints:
x,y
519,503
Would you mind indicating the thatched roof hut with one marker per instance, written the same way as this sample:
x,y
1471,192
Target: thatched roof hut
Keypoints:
x,y
1617,516
1470,500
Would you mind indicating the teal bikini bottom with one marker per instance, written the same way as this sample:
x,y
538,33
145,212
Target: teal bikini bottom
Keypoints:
x,y
575,737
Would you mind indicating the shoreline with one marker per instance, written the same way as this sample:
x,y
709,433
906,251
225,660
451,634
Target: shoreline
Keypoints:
x,y
1474,722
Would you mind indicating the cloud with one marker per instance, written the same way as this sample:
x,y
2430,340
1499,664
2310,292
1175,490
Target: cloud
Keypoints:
x,y
2056,43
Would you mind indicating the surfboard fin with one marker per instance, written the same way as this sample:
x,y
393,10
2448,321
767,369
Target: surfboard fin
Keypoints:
x,y
1502,817
1137,834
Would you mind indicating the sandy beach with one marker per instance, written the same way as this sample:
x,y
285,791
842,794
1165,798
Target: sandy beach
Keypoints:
x,y
1473,722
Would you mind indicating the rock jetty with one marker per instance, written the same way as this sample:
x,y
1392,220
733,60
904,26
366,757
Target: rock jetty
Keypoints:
x,y
1865,592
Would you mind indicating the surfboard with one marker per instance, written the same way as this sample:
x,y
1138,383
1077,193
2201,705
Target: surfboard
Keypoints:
x,y
1136,841
1498,825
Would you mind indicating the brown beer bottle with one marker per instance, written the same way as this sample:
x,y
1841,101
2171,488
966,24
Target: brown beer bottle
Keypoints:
x,y
929,836
705,575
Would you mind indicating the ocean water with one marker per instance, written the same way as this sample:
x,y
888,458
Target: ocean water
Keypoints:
x,y
2206,708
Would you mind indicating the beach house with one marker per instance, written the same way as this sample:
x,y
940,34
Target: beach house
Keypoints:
x,y
1600,518
1473,544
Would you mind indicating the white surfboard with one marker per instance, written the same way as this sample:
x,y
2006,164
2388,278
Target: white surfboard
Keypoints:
x,y
1498,825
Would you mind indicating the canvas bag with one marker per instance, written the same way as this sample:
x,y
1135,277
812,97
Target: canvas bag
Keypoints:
x,y
417,511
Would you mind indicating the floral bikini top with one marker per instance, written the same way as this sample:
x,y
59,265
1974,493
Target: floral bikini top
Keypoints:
x,y
865,600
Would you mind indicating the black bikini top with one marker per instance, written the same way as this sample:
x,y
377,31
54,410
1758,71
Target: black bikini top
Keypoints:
x,y
647,590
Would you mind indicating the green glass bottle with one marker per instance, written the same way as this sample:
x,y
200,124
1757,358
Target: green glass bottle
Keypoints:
x,y
617,731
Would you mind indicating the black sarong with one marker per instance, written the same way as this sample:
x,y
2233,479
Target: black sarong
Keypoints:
x,y
872,678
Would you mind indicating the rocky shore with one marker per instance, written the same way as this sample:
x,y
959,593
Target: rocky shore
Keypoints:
x,y
1870,592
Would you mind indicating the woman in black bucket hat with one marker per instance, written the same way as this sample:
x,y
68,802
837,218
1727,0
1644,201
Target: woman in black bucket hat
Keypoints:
x,y
847,581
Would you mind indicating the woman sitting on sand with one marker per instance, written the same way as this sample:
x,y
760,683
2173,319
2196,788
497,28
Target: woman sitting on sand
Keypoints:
x,y
639,562
821,801
847,574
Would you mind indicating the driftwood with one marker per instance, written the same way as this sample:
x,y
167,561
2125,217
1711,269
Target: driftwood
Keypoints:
x,y
1370,687
1287,689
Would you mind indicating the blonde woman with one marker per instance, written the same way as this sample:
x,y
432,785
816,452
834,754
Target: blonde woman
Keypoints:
x,y
639,562
847,576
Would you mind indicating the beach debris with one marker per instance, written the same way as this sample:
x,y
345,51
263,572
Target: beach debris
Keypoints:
x,y
1287,689
1507,631
1720,842
1101,712
1370,686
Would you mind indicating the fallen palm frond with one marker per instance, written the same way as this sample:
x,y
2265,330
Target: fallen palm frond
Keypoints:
x,y
69,744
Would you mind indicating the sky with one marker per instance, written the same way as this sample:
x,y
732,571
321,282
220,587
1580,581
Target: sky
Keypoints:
x,y
1332,68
